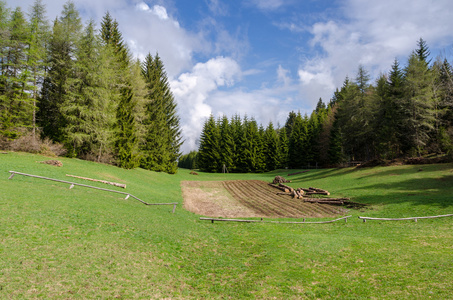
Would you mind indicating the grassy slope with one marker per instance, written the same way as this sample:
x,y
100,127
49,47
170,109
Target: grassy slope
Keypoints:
x,y
81,243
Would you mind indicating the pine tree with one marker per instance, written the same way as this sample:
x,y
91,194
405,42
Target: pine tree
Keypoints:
x,y
252,158
227,144
417,108
163,135
16,108
37,62
289,124
126,138
422,52
4,38
388,127
62,51
209,150
237,132
297,143
89,106
283,148
271,151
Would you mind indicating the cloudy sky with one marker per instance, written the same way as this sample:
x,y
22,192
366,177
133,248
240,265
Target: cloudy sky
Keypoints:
x,y
265,58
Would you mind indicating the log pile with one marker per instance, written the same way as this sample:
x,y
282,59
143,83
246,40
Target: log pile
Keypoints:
x,y
285,189
56,163
279,179
306,195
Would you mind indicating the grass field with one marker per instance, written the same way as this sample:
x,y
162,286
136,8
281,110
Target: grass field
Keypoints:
x,y
60,243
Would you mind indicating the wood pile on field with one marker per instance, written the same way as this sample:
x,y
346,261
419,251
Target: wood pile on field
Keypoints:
x,y
306,194
280,179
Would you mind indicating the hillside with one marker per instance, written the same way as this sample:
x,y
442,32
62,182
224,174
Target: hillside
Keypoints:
x,y
57,242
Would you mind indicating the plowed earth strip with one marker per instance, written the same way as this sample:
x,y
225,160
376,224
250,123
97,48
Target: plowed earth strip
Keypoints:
x,y
249,198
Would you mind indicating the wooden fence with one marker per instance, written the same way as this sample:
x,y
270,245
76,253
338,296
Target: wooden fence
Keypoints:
x,y
277,222
72,184
402,219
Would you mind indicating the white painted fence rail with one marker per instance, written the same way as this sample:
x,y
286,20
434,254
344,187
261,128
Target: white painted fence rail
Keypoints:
x,y
72,184
277,222
401,219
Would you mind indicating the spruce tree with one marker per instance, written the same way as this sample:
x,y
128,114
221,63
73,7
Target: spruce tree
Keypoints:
x,y
271,150
16,108
422,52
283,149
227,145
37,62
209,150
162,133
297,142
89,106
62,51
417,108
126,141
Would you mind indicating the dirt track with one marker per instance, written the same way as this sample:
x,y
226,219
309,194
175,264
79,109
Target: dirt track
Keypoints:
x,y
248,198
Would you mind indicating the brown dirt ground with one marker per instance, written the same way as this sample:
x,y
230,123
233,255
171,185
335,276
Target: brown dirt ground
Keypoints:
x,y
235,199
210,198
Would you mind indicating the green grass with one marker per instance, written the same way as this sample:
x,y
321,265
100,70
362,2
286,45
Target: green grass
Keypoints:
x,y
59,243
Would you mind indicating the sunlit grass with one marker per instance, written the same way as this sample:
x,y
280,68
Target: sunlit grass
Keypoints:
x,y
57,242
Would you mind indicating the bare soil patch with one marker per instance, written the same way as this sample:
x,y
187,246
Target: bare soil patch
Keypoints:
x,y
248,198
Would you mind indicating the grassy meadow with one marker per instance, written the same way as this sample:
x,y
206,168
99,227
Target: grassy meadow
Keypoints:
x,y
61,243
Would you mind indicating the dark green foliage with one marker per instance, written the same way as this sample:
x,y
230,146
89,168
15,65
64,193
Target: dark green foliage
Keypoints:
x,y
422,52
298,143
417,106
126,142
62,51
188,161
227,144
209,150
15,103
162,137
283,148
271,149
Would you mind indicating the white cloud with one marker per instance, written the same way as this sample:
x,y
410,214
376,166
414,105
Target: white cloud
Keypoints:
x,y
267,4
372,34
193,93
283,76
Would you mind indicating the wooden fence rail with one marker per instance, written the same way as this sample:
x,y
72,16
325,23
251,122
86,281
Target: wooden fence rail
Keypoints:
x,y
401,219
277,222
72,184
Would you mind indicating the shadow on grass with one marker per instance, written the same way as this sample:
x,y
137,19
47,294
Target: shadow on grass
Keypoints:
x,y
403,170
418,191
320,174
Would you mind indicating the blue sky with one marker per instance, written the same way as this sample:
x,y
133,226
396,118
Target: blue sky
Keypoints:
x,y
265,58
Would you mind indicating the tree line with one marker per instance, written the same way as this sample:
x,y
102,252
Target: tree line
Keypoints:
x,y
404,113
81,87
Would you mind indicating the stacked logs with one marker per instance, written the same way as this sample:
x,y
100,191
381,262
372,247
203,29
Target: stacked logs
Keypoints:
x,y
305,194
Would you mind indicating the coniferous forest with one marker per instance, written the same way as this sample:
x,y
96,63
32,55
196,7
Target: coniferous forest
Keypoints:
x,y
75,89
71,88
407,112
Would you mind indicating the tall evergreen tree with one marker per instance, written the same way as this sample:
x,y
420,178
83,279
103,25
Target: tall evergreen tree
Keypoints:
x,y
37,62
62,51
126,138
209,150
422,52
163,135
271,151
16,102
283,149
297,143
89,106
227,145
417,109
